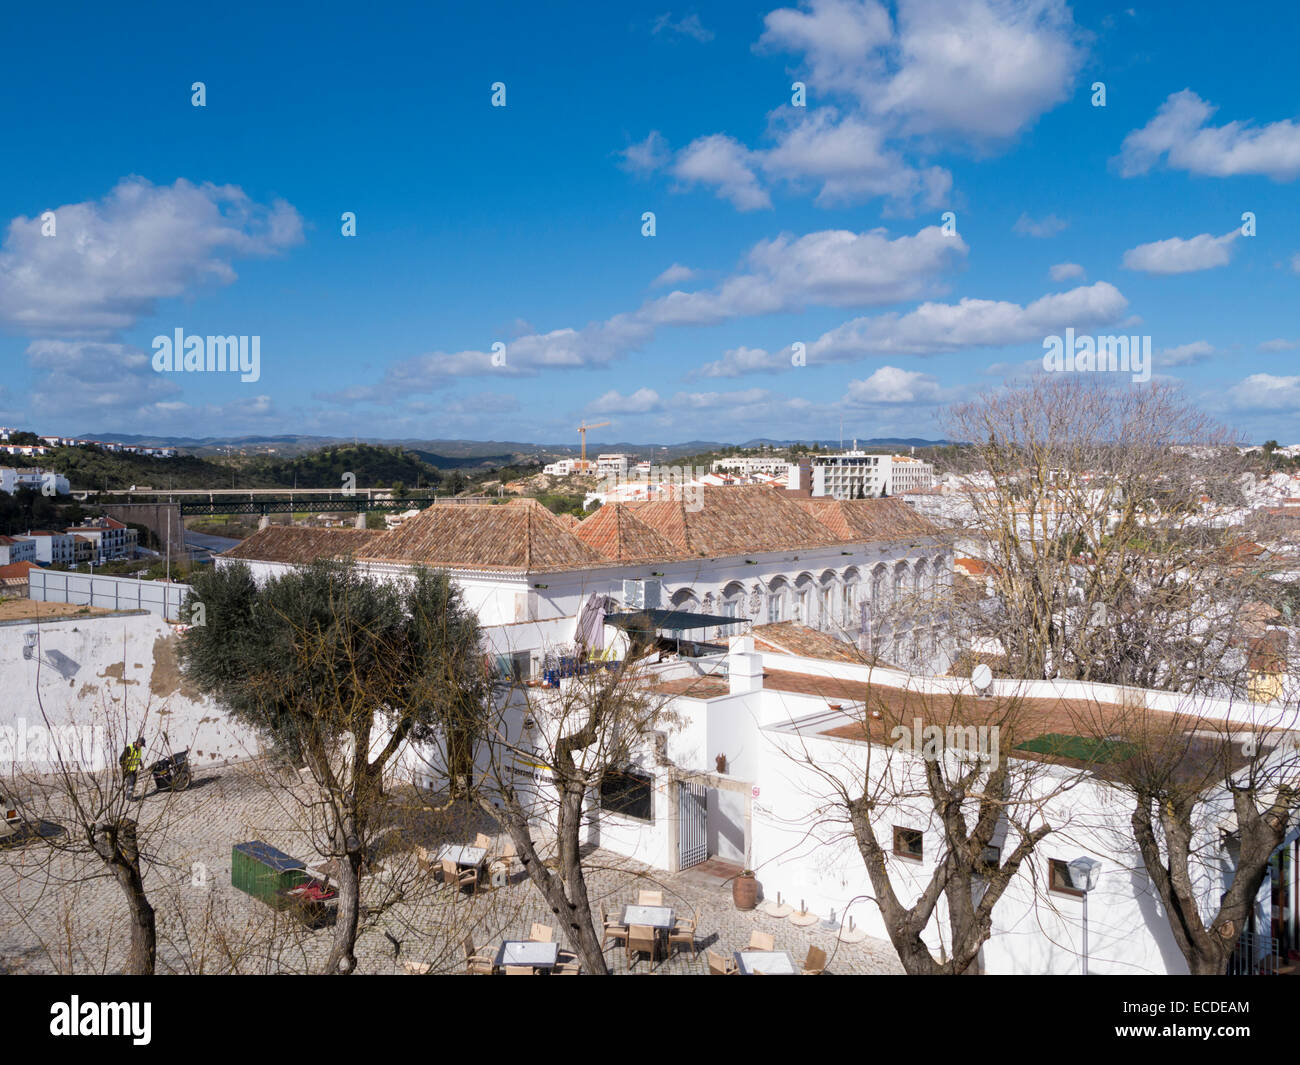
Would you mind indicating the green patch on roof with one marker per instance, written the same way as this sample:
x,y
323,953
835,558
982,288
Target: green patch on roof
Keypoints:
x,y
1080,748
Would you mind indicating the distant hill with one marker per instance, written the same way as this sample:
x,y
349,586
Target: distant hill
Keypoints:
x,y
454,454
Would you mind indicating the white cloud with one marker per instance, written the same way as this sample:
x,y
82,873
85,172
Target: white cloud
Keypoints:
x,y
848,157
642,401
1264,391
828,268
832,267
1186,354
724,162
1066,272
686,26
931,71
1280,344
1043,227
646,156
1179,256
1295,263
889,384
935,328
112,260
1179,134
674,275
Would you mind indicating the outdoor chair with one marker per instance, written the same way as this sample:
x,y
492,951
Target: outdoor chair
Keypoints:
x,y
641,939
541,933
815,963
720,966
520,970
417,968
761,941
683,934
500,865
424,861
457,880
475,963
568,968
614,930
483,842
650,898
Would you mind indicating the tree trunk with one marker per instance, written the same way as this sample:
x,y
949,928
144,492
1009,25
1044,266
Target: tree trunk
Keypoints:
x,y
575,916
117,845
343,957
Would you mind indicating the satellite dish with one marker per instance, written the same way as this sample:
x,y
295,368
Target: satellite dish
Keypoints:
x,y
981,677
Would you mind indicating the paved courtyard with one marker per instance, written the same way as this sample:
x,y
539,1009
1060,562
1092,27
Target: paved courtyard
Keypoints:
x,y
60,913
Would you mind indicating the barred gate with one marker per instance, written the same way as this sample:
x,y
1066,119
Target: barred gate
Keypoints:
x,y
692,823
1254,955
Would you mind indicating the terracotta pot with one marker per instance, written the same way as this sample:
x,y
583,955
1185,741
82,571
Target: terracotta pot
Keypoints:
x,y
744,891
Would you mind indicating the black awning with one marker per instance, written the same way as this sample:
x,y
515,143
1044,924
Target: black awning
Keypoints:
x,y
671,620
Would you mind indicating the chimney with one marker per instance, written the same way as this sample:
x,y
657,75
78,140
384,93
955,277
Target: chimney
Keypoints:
x,y
744,666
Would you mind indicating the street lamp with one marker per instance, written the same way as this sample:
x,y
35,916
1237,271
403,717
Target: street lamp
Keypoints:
x,y
1083,875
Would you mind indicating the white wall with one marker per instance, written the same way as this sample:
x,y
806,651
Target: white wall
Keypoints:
x,y
117,670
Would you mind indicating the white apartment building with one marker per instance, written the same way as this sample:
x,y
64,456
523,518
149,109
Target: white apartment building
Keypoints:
x,y
52,547
611,465
33,477
860,475
907,474
111,539
16,549
750,465
562,468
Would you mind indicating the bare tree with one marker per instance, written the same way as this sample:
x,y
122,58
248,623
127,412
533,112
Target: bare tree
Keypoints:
x,y
1211,801
76,817
548,751
943,760
1103,516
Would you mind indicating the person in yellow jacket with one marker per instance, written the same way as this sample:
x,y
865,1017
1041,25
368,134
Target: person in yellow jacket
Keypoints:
x,y
131,760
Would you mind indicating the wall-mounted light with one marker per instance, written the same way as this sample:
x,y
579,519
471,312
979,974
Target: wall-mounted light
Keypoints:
x,y
654,574
750,562
541,585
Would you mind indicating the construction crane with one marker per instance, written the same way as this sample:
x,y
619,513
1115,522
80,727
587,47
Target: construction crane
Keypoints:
x,y
583,430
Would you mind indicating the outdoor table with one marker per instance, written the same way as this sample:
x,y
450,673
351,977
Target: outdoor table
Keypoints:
x,y
660,917
466,856
526,952
768,962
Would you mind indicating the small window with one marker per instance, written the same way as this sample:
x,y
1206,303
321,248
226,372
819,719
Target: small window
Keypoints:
x,y
909,843
628,792
1061,881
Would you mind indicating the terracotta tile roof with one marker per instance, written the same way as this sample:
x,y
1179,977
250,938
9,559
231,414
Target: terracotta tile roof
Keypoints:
x,y
734,520
300,544
523,536
791,638
617,533
17,569
868,519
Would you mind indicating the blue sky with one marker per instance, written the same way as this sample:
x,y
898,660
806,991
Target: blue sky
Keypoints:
x,y
775,225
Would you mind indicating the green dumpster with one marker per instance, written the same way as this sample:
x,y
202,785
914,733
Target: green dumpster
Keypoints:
x,y
258,869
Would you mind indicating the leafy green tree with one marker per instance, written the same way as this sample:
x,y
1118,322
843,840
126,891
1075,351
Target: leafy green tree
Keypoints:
x,y
339,671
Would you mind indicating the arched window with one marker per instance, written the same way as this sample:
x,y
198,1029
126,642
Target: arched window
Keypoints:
x,y
776,594
732,606
849,600
805,611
